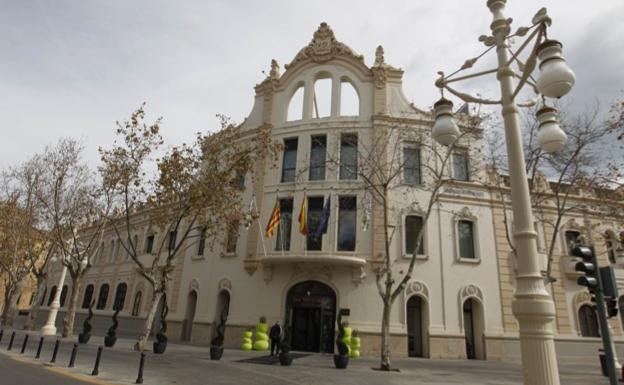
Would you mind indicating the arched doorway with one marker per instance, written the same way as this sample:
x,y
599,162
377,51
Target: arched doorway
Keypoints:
x,y
588,321
311,314
473,329
187,324
417,327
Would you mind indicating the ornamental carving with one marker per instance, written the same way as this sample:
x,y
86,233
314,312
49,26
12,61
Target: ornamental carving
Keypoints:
x,y
324,47
417,287
469,291
581,297
225,283
194,285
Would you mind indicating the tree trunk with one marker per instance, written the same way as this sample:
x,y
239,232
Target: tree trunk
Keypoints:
x,y
8,312
31,321
385,335
70,316
147,327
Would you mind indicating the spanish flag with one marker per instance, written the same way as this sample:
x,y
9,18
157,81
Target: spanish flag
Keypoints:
x,y
303,216
274,220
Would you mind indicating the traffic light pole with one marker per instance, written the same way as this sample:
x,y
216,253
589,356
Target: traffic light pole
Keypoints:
x,y
604,326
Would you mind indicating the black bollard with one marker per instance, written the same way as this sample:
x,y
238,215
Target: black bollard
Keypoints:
x,y
39,348
11,341
139,379
24,344
72,359
1,333
96,368
55,352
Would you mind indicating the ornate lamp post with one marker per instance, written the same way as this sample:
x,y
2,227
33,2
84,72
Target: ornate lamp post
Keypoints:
x,y
532,305
49,329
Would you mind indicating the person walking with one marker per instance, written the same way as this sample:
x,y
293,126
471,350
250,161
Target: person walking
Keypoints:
x,y
275,334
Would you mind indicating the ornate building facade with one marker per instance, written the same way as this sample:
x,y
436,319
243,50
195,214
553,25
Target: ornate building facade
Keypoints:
x,y
458,301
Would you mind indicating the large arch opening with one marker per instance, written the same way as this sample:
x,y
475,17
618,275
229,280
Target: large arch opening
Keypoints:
x,y
417,327
189,316
311,317
474,326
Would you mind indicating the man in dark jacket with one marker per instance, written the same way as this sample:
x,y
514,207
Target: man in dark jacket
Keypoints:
x,y
275,334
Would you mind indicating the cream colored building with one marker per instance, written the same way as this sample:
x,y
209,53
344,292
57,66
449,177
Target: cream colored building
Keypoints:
x,y
458,302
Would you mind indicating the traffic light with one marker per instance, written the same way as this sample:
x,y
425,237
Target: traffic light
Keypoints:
x,y
612,310
587,266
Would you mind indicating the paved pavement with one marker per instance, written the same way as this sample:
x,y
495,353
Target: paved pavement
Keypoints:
x,y
190,365
20,373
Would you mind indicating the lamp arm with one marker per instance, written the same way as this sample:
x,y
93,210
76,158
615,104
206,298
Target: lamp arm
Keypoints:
x,y
475,75
469,98
530,65
514,56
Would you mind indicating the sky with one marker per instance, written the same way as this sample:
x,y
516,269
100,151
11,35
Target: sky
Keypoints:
x,y
73,68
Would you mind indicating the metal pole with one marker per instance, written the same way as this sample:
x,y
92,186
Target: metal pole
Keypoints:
x,y
604,324
24,344
39,348
55,352
11,341
49,329
72,359
532,306
96,368
139,379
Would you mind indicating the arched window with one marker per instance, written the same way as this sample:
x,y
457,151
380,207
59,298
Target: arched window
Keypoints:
x,y
52,294
63,295
322,98
611,245
588,321
136,307
295,106
572,239
465,237
88,297
120,296
349,100
101,302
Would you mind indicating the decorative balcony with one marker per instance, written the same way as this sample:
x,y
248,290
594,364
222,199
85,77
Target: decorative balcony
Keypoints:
x,y
318,263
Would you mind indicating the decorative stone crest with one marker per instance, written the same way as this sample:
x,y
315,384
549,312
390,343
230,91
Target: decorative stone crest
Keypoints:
x,y
225,283
324,47
194,285
417,287
581,297
469,291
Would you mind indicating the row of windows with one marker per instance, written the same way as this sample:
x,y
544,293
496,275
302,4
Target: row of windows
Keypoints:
x,y
412,170
118,303
148,247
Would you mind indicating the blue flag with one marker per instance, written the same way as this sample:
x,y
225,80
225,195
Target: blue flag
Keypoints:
x,y
322,228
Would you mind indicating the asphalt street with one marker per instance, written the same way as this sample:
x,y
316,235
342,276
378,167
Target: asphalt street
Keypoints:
x,y
14,372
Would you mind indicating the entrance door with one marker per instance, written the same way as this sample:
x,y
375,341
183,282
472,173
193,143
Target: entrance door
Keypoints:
x,y
469,330
414,327
311,315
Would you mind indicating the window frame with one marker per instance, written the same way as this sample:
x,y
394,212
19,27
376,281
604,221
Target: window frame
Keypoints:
x,y
464,153
475,239
412,146
424,242
295,140
282,203
338,222
343,166
312,167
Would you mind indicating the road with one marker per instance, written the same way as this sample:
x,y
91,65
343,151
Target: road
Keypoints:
x,y
19,373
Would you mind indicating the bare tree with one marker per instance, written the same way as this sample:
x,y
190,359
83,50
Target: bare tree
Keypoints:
x,y
75,209
591,161
194,196
381,167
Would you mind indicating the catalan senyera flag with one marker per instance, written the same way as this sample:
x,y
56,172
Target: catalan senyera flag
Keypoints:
x,y
303,216
274,220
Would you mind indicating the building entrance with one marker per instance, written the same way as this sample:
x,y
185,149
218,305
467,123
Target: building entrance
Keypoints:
x,y
311,314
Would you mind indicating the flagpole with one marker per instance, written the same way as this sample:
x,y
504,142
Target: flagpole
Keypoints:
x,y
255,203
281,227
331,193
305,241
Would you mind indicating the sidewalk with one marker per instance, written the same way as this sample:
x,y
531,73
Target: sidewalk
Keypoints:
x,y
190,365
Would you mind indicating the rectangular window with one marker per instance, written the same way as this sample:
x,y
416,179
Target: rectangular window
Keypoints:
x,y
317,157
610,251
232,238
172,240
289,162
202,241
347,213
411,165
413,224
348,156
460,166
285,225
149,243
315,209
465,232
572,239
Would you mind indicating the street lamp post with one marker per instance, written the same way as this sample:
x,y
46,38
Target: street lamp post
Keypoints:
x,y
49,329
532,306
